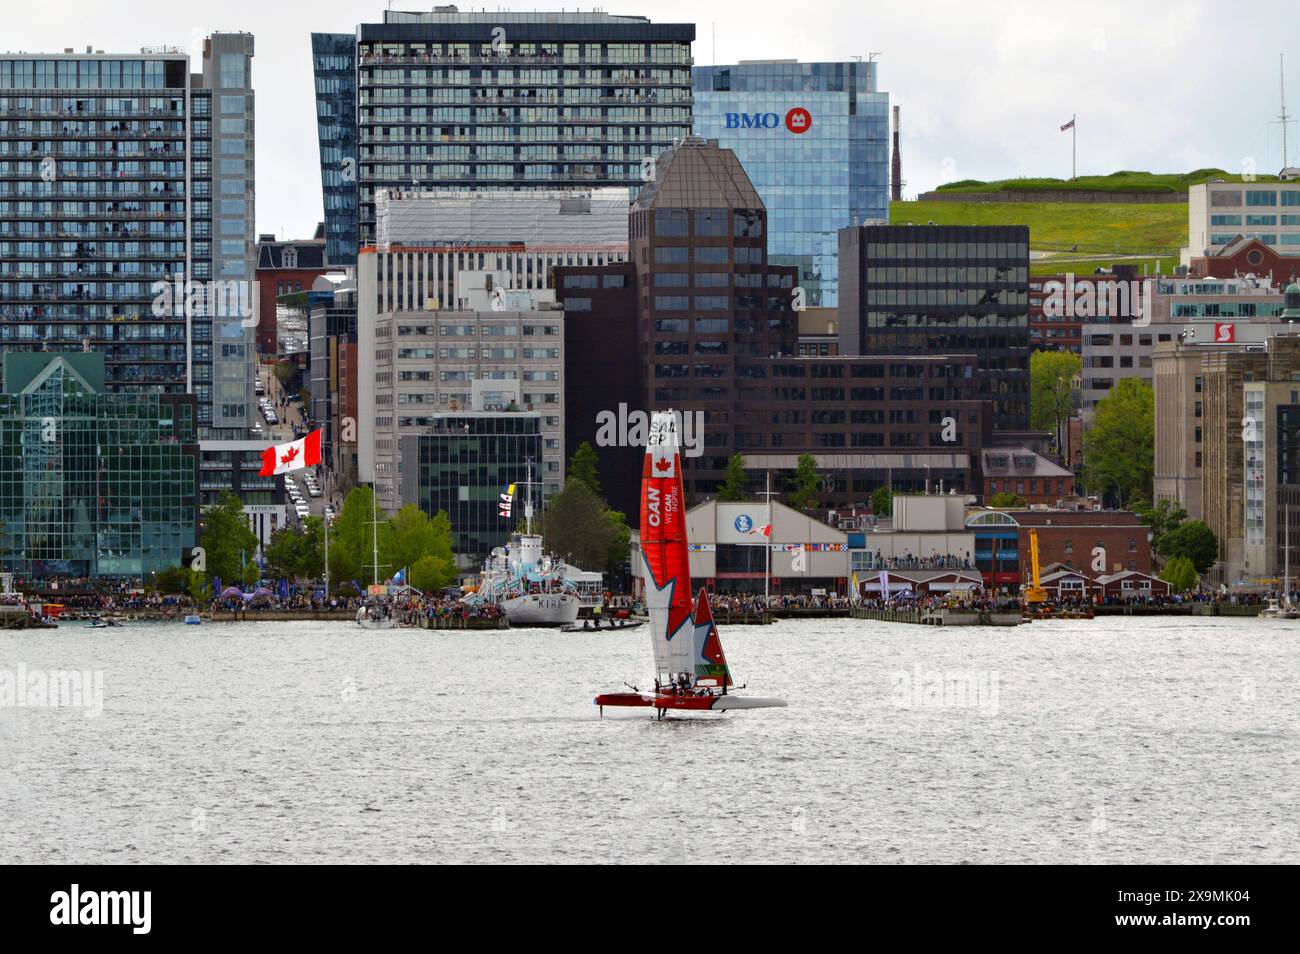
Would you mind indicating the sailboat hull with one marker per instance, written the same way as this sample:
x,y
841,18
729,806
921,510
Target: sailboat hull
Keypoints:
x,y
689,703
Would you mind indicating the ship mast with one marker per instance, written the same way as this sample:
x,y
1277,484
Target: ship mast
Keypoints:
x,y
374,533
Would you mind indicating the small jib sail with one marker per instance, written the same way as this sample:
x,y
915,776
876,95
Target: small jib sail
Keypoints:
x,y
664,549
710,661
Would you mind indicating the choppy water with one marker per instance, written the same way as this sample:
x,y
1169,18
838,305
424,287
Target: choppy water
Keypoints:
x,y
1163,740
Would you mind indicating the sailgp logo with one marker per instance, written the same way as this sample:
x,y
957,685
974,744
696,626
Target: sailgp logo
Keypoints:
x,y
744,523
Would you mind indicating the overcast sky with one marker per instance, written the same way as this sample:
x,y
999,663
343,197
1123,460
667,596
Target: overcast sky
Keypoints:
x,y
984,87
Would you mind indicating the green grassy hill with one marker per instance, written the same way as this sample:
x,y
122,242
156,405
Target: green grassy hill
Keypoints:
x,y
1080,236
1123,181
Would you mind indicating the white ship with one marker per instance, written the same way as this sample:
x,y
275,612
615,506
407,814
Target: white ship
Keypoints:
x,y
527,584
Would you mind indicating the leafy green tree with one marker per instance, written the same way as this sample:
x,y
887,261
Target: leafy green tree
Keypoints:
x,y
414,538
199,587
297,554
732,489
1051,389
805,484
1119,448
577,527
350,538
583,466
174,579
1194,540
1180,574
1163,519
1006,499
882,501
227,540
620,547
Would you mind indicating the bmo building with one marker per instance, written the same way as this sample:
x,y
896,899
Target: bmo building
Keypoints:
x,y
814,139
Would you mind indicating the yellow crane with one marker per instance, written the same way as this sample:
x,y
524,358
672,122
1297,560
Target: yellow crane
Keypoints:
x,y
1034,592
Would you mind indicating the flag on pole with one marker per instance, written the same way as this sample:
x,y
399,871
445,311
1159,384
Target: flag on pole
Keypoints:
x,y
765,530
1069,125
884,584
282,458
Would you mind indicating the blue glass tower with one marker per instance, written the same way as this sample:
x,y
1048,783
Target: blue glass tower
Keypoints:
x,y
334,63
814,139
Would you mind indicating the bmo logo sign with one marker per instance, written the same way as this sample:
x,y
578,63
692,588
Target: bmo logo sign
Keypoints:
x,y
797,120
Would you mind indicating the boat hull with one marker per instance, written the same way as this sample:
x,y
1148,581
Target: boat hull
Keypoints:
x,y
377,623
541,609
687,703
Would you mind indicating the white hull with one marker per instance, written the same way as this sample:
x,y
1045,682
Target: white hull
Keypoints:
x,y
541,609
747,702
377,623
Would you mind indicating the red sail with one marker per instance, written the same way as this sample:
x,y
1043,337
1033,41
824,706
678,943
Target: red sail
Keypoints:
x,y
664,552
710,661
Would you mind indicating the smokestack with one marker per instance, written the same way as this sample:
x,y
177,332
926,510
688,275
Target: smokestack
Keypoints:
x,y
896,166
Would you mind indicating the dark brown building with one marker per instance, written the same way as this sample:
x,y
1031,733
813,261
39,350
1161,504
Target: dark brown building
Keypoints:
x,y
715,333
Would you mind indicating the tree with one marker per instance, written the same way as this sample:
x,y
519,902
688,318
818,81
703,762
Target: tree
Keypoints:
x,y
1194,540
882,501
577,527
620,547
227,540
174,579
1163,519
297,554
1006,499
805,484
583,466
1180,574
1051,389
350,537
1119,448
416,539
732,489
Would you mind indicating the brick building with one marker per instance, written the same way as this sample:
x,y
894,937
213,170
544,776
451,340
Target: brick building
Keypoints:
x,y
284,268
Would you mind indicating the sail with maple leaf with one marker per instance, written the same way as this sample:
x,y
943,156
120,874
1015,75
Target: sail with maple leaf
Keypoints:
x,y
664,549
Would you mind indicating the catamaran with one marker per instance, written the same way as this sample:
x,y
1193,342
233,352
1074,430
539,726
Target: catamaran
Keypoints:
x,y
691,671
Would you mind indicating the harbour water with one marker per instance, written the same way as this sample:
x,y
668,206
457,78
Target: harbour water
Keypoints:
x,y
1119,740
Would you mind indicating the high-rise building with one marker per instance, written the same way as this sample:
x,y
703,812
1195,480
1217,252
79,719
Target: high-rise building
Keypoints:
x,y
814,140
489,353
918,289
461,462
714,328
125,178
504,100
332,372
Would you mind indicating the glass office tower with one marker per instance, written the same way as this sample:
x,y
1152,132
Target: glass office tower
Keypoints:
x,y
492,100
91,483
334,62
463,465
814,140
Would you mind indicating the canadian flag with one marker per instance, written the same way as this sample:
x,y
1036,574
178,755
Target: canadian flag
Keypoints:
x,y
764,531
295,455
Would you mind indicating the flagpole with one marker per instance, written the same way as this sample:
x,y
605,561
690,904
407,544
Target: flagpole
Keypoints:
x,y
1074,152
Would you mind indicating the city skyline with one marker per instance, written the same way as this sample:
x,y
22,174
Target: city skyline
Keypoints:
x,y
984,99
